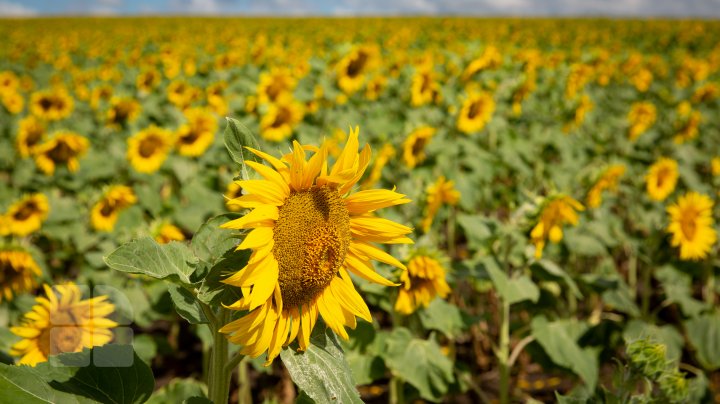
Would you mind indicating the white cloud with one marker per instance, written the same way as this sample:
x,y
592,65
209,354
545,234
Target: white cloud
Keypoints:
x,y
8,9
195,7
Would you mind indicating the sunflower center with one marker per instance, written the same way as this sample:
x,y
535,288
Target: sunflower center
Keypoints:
x,y
62,334
283,117
149,146
45,103
311,236
27,210
62,152
419,146
189,137
688,224
356,65
662,176
475,109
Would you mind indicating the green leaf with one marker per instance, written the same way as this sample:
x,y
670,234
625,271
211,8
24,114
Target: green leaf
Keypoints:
x,y
211,242
178,391
558,339
321,371
444,317
22,384
478,229
678,288
583,244
145,256
513,290
186,305
555,270
704,335
419,362
237,136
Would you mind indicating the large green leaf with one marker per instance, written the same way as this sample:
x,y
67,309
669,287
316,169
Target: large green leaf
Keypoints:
x,y
419,362
444,317
515,289
145,256
186,305
678,289
211,242
237,136
178,391
704,335
321,371
22,384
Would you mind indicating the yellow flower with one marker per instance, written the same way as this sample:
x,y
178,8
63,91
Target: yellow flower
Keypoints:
x,y
307,232
181,94
661,179
31,132
99,94
385,154
715,163
414,145
421,283
275,84
642,116
51,105
490,59
194,137
475,113
147,80
705,93
584,106
375,87
232,192
9,82
687,123
442,191
167,232
608,180
13,102
27,215
18,273
424,89
352,69
148,149
280,119
691,226
62,322
105,212
122,111
557,212
642,80
63,148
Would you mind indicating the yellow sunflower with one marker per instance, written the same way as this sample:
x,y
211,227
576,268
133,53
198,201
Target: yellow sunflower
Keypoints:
x,y
194,137
18,273
691,226
100,94
105,212
687,123
353,68
386,153
414,145
166,232
13,102
715,166
148,149
51,105
147,80
661,179
9,82
31,132
275,84
439,193
557,211
280,119
62,322
232,192
63,148
424,88
122,111
607,181
642,116
307,232
27,215
475,113
421,283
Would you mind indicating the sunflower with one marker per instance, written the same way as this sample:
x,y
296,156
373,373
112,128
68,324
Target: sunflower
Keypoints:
x,y
63,148
584,106
414,145
439,193
232,192
31,132
148,149
105,212
661,179
715,166
608,180
62,322
18,273
194,137
99,94
476,112
424,88
13,102
307,233
557,211
375,87
280,119
9,82
27,215
642,116
51,105
166,232
691,226
490,59
386,153
352,69
181,94
275,84
687,123
421,283
122,111
147,80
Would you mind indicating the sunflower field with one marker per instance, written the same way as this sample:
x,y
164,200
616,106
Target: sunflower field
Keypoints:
x,y
359,210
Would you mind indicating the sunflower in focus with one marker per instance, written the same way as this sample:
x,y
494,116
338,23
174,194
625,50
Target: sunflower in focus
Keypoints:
x,y
27,215
307,232
51,105
439,193
557,211
414,145
63,148
104,213
122,111
642,116
62,322
18,273
421,283
661,179
607,181
194,137
353,68
691,226
280,119
148,149
475,113
167,232
31,132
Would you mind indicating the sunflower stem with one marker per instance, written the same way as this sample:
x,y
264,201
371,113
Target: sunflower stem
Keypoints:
x,y
244,392
503,353
451,233
397,395
219,382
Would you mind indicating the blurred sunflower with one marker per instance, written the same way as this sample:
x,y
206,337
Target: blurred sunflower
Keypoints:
x,y
166,232
375,87
122,111
687,123
386,153
104,213
691,226
475,113
62,323
421,283
307,233
13,102
439,193
31,131
181,94
100,94
27,215
9,82
148,149
424,88
147,80
642,116
63,148
51,105
280,119
353,68
608,181
414,145
489,59
661,178
232,192
715,166
18,273
275,84
556,212
194,137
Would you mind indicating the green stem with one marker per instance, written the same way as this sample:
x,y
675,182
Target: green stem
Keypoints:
x,y
244,392
397,395
646,278
503,353
709,292
451,233
632,275
219,383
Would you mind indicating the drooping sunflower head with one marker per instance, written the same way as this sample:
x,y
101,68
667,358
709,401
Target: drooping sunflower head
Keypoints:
x,y
476,112
18,273
51,105
556,212
691,226
105,212
27,215
148,149
63,148
661,179
423,281
122,111
414,145
194,137
308,231
280,119
31,132
62,322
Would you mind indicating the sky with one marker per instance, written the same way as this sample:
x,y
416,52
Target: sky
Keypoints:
x,y
612,8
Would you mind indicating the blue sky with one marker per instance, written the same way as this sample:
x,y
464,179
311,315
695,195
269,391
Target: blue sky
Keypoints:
x,y
630,8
